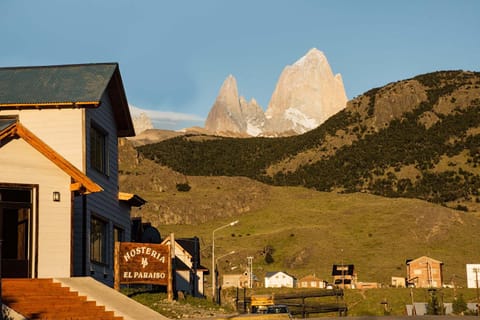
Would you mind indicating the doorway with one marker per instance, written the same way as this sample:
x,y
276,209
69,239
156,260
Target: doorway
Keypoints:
x,y
15,231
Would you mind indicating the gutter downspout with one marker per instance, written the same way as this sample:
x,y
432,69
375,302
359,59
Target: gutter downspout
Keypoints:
x,y
84,235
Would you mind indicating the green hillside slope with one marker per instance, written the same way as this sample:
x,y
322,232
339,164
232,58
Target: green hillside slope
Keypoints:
x,y
379,177
303,232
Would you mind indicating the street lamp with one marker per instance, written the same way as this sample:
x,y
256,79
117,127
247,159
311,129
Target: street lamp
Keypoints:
x,y
213,256
223,256
216,274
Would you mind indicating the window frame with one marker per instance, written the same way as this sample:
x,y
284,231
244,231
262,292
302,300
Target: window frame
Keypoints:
x,y
118,234
98,252
99,156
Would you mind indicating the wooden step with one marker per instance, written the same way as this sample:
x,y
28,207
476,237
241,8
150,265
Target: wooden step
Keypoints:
x,y
45,299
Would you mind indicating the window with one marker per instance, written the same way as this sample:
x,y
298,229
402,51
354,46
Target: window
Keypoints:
x,y
98,149
117,234
98,240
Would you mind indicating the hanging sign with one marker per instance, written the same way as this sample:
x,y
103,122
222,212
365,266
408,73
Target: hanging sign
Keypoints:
x,y
146,263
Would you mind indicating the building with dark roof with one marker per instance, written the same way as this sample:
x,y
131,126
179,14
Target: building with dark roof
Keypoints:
x,y
344,275
60,204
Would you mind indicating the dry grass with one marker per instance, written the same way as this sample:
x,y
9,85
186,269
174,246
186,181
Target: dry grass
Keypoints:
x,y
309,231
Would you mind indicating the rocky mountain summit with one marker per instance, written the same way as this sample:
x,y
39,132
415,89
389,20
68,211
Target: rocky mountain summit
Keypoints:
x,y
141,122
306,95
415,138
233,114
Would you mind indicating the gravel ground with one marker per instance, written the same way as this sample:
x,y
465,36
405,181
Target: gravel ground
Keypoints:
x,y
178,310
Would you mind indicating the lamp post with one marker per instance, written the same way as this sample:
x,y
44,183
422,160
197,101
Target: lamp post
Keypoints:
x,y
250,271
216,275
216,263
213,256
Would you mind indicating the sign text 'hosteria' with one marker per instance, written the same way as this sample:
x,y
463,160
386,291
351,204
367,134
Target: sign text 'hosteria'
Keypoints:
x,y
143,263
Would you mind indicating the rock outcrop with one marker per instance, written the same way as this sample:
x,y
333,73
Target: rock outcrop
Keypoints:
x,y
141,122
306,95
233,114
226,114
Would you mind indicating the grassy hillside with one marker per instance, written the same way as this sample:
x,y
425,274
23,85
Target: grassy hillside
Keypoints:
x,y
307,231
415,141
417,138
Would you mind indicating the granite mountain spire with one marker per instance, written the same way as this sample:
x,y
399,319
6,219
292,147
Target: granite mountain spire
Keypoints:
x,y
306,95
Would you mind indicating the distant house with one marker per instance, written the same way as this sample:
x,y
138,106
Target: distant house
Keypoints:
x,y
60,204
344,275
398,282
424,272
189,273
473,275
239,280
311,281
279,279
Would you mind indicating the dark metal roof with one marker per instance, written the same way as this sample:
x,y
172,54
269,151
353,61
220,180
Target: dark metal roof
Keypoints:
x,y
272,273
79,85
83,83
192,246
343,269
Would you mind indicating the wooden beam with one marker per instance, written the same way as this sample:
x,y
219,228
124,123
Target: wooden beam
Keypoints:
x,y
56,158
50,104
8,132
76,186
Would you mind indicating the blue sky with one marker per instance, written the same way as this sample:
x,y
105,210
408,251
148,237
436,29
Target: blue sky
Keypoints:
x,y
175,55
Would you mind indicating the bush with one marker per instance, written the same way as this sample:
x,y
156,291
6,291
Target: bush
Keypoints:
x,y
183,187
459,305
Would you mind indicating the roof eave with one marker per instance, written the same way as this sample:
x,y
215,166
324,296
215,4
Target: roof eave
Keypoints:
x,y
132,199
120,105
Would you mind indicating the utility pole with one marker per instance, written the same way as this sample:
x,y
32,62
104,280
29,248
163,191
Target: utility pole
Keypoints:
x,y
343,270
454,288
414,312
476,285
250,272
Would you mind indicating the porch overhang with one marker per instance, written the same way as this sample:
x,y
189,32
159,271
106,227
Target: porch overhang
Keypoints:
x,y
132,199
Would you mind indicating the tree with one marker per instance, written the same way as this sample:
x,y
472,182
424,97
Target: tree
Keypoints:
x,y
434,307
459,305
268,252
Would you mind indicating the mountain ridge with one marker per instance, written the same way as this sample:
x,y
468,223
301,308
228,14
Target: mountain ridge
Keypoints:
x,y
377,162
380,143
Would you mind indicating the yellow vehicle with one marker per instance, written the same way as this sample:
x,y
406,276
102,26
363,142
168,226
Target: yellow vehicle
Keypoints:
x,y
264,307
260,303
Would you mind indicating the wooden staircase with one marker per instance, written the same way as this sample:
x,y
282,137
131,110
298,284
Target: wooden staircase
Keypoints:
x,y
45,299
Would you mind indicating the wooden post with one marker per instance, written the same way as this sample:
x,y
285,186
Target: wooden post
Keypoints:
x,y
171,272
116,267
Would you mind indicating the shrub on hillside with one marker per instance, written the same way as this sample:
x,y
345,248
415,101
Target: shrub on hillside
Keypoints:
x,y
183,187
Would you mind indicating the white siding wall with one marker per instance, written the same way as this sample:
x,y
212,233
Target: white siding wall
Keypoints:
x,y
67,131
61,129
279,280
473,275
21,163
